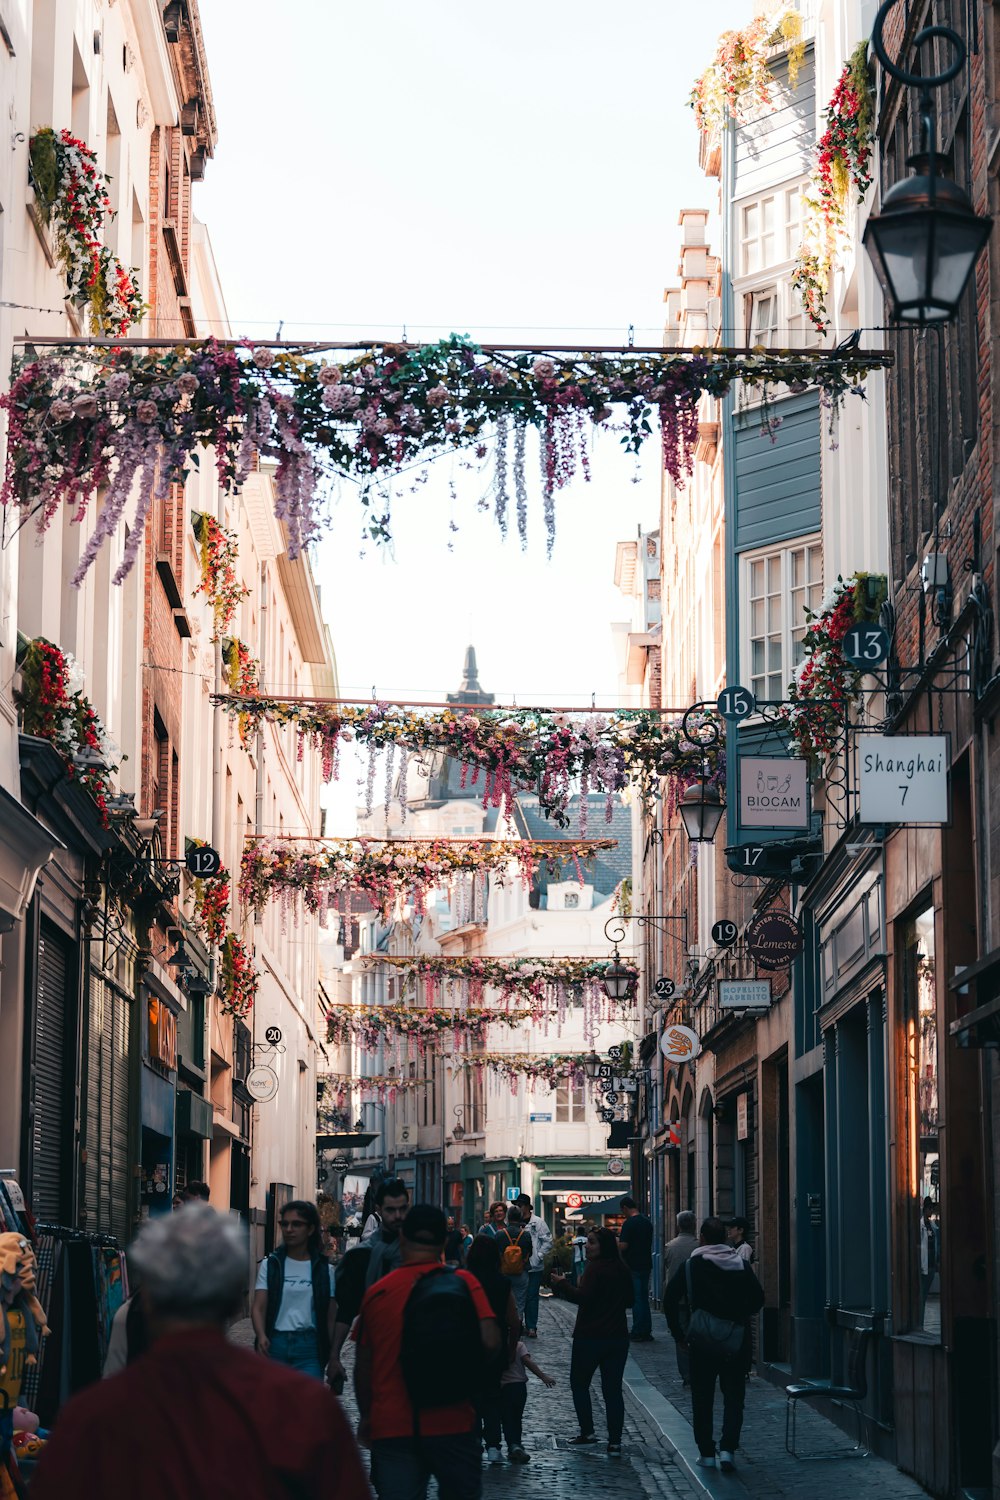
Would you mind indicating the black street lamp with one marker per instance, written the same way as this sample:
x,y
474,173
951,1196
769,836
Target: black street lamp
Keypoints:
x,y
701,807
617,980
591,1065
925,242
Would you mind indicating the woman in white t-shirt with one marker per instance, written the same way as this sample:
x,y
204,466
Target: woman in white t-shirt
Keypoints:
x,y
293,1307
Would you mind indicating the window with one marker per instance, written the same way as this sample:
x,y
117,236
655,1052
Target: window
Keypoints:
x,y
778,587
764,317
757,235
919,985
571,1104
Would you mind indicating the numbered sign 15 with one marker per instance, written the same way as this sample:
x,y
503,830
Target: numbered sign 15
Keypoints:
x,y
736,702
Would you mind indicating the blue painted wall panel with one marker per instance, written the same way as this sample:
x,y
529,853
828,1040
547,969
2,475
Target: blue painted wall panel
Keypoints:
x,y
779,145
777,484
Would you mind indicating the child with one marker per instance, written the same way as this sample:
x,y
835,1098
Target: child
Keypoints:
x,y
513,1397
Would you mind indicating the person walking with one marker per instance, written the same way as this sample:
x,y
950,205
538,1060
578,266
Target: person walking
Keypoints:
x,y
189,1417
416,1403
495,1219
365,1264
636,1240
293,1310
675,1253
715,1281
541,1244
600,1336
483,1262
515,1256
514,1398
736,1233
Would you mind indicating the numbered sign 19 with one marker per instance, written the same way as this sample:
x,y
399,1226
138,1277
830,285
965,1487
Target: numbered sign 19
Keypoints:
x,y
866,645
736,702
725,933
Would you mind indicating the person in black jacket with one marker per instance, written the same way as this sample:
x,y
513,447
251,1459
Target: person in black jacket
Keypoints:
x,y
721,1283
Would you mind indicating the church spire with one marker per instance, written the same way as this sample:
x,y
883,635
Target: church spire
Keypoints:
x,y
471,690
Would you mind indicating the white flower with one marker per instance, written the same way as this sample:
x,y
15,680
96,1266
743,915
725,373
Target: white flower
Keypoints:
x,y
75,679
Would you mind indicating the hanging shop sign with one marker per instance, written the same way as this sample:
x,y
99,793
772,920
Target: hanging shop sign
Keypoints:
x,y
262,1084
203,861
725,933
340,1163
742,1116
680,1044
903,778
774,792
744,994
774,940
162,1034
616,1166
664,988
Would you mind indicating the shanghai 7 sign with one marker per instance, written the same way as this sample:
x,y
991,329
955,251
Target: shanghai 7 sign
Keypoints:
x,y
774,792
903,778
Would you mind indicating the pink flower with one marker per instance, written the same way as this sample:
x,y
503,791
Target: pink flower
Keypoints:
x,y
85,406
60,411
438,395
263,358
145,411
329,374
334,397
544,369
187,383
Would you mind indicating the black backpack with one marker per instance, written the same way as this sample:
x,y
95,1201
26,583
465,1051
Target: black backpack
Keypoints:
x,y
441,1354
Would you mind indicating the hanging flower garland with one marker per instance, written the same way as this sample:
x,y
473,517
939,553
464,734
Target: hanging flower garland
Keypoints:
x,y
242,674
371,1025
551,754
825,684
239,977
53,706
80,423
738,82
554,1069
73,202
220,580
373,1089
842,167
527,978
210,902
386,870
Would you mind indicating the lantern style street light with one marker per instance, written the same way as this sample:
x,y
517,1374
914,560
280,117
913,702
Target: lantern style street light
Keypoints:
x,y
925,243
617,980
701,807
591,1065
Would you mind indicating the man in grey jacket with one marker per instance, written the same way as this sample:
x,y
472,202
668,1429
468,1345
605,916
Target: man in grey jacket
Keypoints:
x,y
541,1244
675,1253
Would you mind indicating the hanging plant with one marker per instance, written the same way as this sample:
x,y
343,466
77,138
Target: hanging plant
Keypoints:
x,y
374,1088
73,203
738,82
220,580
53,706
826,685
210,902
242,675
540,980
371,1025
83,423
387,870
239,978
506,750
842,170
557,1068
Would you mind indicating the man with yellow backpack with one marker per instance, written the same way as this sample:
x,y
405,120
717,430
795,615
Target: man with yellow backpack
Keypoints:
x,y
516,1248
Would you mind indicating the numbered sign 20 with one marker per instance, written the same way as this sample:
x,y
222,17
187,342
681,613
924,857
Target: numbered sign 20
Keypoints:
x,y
736,702
866,645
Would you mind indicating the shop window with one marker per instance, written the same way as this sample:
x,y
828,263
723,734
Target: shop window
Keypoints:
x,y
923,1185
778,587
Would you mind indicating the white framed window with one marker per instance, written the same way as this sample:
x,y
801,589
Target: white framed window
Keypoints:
x,y
763,320
571,1103
773,316
770,229
778,586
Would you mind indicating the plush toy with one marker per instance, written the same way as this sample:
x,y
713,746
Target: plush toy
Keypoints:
x,y
25,1420
17,1290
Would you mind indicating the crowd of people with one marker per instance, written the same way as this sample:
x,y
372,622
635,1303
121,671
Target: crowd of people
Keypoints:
x,y
441,1322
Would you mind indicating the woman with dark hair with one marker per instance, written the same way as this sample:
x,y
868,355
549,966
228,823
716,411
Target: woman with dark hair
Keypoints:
x,y
293,1308
483,1261
600,1337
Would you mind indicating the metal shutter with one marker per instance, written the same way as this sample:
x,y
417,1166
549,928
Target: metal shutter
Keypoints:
x,y
51,1083
107,1178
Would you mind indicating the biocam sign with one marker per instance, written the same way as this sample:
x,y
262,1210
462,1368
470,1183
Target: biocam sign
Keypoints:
x,y
903,778
774,792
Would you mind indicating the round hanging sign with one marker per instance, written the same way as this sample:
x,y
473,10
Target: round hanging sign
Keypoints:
x,y
340,1163
272,1036
616,1166
774,940
680,1044
262,1084
203,861
664,988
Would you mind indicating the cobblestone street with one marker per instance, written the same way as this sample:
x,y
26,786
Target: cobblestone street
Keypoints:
x,y
658,1449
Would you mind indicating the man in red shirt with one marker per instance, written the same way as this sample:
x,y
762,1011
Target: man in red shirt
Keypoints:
x,y
195,1418
409,1447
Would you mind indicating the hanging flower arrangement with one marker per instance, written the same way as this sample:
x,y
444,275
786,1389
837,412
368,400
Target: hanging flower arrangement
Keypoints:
x,y
550,754
371,1025
79,424
842,169
554,1069
540,981
210,903
53,706
692,748
73,202
738,82
242,675
220,580
239,977
387,870
826,685
375,1088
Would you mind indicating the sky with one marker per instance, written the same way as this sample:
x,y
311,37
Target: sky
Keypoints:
x,y
510,172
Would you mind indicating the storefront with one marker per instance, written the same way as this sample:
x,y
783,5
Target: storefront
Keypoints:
x,y
163,1003
566,1199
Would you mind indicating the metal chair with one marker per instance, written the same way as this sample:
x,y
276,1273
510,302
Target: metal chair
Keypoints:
x,y
851,1395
